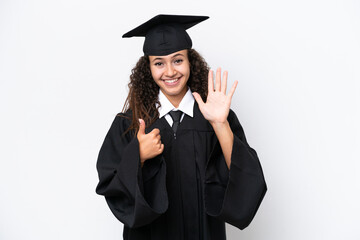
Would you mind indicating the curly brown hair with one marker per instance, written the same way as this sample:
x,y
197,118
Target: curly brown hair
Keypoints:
x,y
142,99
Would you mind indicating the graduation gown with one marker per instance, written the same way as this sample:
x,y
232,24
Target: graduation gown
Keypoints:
x,y
187,192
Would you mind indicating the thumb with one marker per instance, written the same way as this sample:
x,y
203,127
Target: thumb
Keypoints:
x,y
198,99
141,127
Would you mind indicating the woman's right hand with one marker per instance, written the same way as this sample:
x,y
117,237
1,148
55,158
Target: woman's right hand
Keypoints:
x,y
149,144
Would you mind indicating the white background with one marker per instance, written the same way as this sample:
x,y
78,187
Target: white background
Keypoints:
x,y
64,70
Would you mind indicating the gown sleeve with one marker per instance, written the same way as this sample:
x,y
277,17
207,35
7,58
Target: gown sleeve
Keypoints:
x,y
234,195
135,195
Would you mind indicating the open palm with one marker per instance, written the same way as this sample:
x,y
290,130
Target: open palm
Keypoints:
x,y
217,106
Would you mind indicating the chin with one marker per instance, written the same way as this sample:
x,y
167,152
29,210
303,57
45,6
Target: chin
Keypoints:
x,y
174,92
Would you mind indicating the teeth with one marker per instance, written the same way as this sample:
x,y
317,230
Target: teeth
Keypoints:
x,y
171,80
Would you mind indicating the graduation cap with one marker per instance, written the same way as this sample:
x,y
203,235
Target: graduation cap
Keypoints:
x,y
165,34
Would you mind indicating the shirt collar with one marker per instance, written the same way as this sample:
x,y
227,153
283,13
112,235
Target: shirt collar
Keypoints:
x,y
186,105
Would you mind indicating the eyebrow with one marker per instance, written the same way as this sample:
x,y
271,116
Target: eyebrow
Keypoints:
x,y
179,54
160,58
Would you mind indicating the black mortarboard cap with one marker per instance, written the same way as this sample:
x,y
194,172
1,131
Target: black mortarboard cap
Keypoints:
x,y
165,34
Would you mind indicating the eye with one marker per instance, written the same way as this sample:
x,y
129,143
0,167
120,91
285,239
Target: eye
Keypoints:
x,y
178,61
158,64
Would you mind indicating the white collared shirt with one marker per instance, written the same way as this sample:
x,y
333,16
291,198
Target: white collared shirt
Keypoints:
x,y
186,106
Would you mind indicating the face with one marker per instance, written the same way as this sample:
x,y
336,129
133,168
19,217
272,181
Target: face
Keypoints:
x,y
171,73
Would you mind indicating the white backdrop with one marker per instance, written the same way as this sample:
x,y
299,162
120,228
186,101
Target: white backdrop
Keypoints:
x,y
63,75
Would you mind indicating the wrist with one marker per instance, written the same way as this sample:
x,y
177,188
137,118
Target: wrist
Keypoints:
x,y
220,125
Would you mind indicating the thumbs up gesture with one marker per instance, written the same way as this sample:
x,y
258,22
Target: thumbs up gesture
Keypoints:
x,y
149,144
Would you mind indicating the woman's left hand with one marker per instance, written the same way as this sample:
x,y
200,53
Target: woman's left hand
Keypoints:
x,y
217,106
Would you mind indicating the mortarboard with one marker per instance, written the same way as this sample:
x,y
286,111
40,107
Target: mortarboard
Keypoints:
x,y
165,34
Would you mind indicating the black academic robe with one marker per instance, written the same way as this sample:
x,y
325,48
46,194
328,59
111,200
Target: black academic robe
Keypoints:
x,y
187,192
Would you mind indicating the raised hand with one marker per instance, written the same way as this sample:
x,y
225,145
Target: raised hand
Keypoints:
x,y
217,106
149,144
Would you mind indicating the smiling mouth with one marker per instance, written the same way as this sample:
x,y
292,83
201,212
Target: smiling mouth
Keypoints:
x,y
171,81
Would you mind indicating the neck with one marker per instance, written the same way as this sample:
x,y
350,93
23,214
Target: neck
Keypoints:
x,y
175,100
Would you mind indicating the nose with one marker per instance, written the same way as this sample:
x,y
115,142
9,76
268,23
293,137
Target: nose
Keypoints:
x,y
170,70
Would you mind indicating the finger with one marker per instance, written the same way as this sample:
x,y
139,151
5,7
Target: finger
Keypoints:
x,y
157,141
157,138
198,99
232,90
218,80
161,148
224,82
141,127
155,132
210,81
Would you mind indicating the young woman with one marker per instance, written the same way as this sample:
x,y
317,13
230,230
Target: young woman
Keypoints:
x,y
176,164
